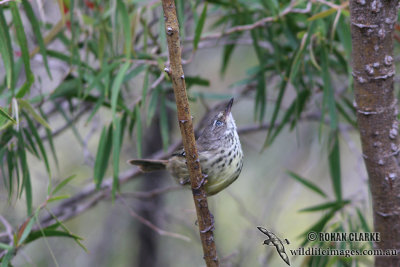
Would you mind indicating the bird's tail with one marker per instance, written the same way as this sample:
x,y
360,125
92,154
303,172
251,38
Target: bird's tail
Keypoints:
x,y
148,165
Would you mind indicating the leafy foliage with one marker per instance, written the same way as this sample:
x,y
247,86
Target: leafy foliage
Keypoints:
x,y
299,46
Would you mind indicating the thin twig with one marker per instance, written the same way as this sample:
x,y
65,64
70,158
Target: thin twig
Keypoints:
x,y
149,224
152,193
259,23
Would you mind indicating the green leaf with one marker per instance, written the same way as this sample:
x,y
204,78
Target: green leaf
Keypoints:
x,y
97,79
291,111
145,86
318,226
135,72
11,163
226,56
36,30
116,146
116,87
152,106
49,136
308,184
196,80
23,44
28,137
6,50
6,259
364,223
4,114
5,246
26,231
329,94
346,116
63,183
29,109
334,166
323,14
26,179
39,142
123,12
57,198
328,205
102,156
199,27
138,121
50,233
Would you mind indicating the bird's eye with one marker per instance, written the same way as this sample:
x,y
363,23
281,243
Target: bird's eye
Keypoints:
x,y
218,123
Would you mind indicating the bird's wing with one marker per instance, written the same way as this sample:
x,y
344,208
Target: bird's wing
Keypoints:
x,y
179,153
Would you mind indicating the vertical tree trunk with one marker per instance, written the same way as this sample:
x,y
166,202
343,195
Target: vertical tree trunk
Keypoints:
x,y
372,25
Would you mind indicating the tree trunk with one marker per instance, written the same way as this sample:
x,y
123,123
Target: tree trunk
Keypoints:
x,y
372,25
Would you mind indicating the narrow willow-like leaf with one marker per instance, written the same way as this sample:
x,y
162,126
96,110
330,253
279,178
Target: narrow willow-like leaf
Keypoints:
x,y
115,152
116,87
138,121
50,233
57,198
11,164
318,226
39,142
325,206
4,114
164,123
49,135
152,106
23,44
26,179
36,30
102,155
5,246
180,8
329,94
29,109
31,143
63,183
135,72
68,59
199,27
6,259
323,14
6,50
145,86
346,116
67,89
196,80
26,230
308,184
97,79
364,223
291,111
334,166
59,223
226,56
344,34
126,27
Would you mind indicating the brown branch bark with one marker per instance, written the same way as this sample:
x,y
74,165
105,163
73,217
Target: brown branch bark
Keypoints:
x,y
372,25
204,216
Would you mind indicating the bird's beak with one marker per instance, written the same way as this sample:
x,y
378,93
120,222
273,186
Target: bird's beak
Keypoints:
x,y
228,108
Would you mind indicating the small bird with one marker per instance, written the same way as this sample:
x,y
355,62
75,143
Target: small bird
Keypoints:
x,y
220,155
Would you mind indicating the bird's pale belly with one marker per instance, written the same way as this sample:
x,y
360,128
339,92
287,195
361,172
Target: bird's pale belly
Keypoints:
x,y
222,167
